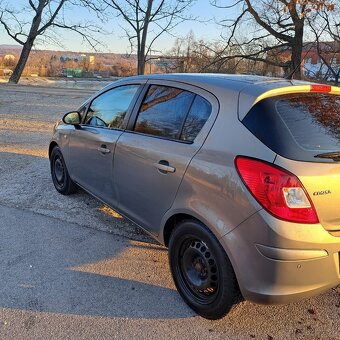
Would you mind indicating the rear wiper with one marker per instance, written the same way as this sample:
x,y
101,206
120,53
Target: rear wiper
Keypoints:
x,y
330,155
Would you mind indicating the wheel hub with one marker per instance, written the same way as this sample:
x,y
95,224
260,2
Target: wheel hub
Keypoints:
x,y
199,268
59,170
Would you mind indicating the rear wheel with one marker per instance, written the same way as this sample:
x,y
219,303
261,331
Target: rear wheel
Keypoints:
x,y
201,270
60,176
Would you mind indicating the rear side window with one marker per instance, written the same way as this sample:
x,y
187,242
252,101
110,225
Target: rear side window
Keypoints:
x,y
197,116
297,126
172,113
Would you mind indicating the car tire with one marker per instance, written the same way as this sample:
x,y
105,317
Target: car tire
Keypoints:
x,y
60,176
202,271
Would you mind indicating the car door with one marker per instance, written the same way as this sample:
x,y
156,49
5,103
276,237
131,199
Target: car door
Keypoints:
x,y
92,144
153,154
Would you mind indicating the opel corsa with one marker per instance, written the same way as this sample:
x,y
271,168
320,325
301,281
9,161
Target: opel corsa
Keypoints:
x,y
239,176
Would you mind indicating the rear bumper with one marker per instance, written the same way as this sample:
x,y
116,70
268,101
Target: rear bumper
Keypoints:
x,y
279,262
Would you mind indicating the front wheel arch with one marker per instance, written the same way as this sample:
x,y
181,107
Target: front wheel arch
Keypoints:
x,y
52,145
59,173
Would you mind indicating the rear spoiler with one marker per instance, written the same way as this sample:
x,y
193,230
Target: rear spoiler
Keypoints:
x,y
298,89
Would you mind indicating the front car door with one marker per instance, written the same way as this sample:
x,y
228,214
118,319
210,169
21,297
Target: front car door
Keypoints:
x,y
165,131
92,144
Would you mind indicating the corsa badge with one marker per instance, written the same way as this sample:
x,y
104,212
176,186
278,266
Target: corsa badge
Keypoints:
x,y
321,193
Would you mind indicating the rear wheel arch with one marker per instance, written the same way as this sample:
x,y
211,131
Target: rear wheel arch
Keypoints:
x,y
172,222
201,268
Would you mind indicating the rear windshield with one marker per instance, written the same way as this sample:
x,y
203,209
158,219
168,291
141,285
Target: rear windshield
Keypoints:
x,y
297,126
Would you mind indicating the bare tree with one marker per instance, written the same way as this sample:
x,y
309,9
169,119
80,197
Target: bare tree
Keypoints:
x,y
273,27
147,20
329,49
44,15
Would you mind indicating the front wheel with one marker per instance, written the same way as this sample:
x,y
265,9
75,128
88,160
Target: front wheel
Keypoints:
x,y
202,271
60,176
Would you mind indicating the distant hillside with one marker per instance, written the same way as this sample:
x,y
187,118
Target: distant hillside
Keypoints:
x,y
10,49
105,57
13,47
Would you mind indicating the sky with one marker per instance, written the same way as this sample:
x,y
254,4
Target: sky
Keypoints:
x,y
114,39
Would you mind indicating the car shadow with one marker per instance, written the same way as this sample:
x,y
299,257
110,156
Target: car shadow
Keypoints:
x,y
55,257
50,263
51,266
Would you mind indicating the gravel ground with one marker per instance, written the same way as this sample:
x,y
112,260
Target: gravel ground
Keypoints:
x,y
27,115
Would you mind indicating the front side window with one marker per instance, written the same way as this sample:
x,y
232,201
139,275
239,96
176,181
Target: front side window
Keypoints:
x,y
109,109
163,111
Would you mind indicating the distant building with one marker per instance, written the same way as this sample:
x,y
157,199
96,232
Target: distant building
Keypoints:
x,y
75,58
72,73
78,58
91,59
316,67
312,64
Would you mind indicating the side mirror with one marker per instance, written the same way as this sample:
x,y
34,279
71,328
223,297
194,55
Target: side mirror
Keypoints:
x,y
72,118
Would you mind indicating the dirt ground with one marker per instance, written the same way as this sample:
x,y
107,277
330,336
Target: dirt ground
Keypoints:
x,y
27,115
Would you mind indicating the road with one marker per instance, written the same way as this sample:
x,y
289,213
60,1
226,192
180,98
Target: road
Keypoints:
x,y
72,268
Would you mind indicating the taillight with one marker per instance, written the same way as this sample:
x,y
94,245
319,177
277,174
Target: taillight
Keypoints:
x,y
277,190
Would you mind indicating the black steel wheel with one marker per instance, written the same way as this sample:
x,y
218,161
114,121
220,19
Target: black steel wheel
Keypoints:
x,y
60,176
201,270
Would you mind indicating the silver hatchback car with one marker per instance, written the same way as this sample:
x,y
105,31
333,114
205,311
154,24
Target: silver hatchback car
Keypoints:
x,y
239,176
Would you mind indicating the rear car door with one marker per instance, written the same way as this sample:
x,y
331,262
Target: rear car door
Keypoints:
x,y
167,128
92,144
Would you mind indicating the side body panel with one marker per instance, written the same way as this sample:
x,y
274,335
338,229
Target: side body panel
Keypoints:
x,y
91,153
146,193
91,166
211,189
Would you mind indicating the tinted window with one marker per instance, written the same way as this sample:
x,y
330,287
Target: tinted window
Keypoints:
x,y
297,126
313,120
109,109
198,115
163,111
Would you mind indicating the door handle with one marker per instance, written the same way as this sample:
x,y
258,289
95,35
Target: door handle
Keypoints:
x,y
103,149
164,167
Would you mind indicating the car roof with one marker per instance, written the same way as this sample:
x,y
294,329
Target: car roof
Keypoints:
x,y
226,81
247,88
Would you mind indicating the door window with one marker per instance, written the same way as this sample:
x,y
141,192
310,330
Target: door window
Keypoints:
x,y
109,109
163,111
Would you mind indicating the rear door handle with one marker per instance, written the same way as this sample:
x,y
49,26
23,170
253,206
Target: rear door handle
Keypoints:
x,y
164,167
103,149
